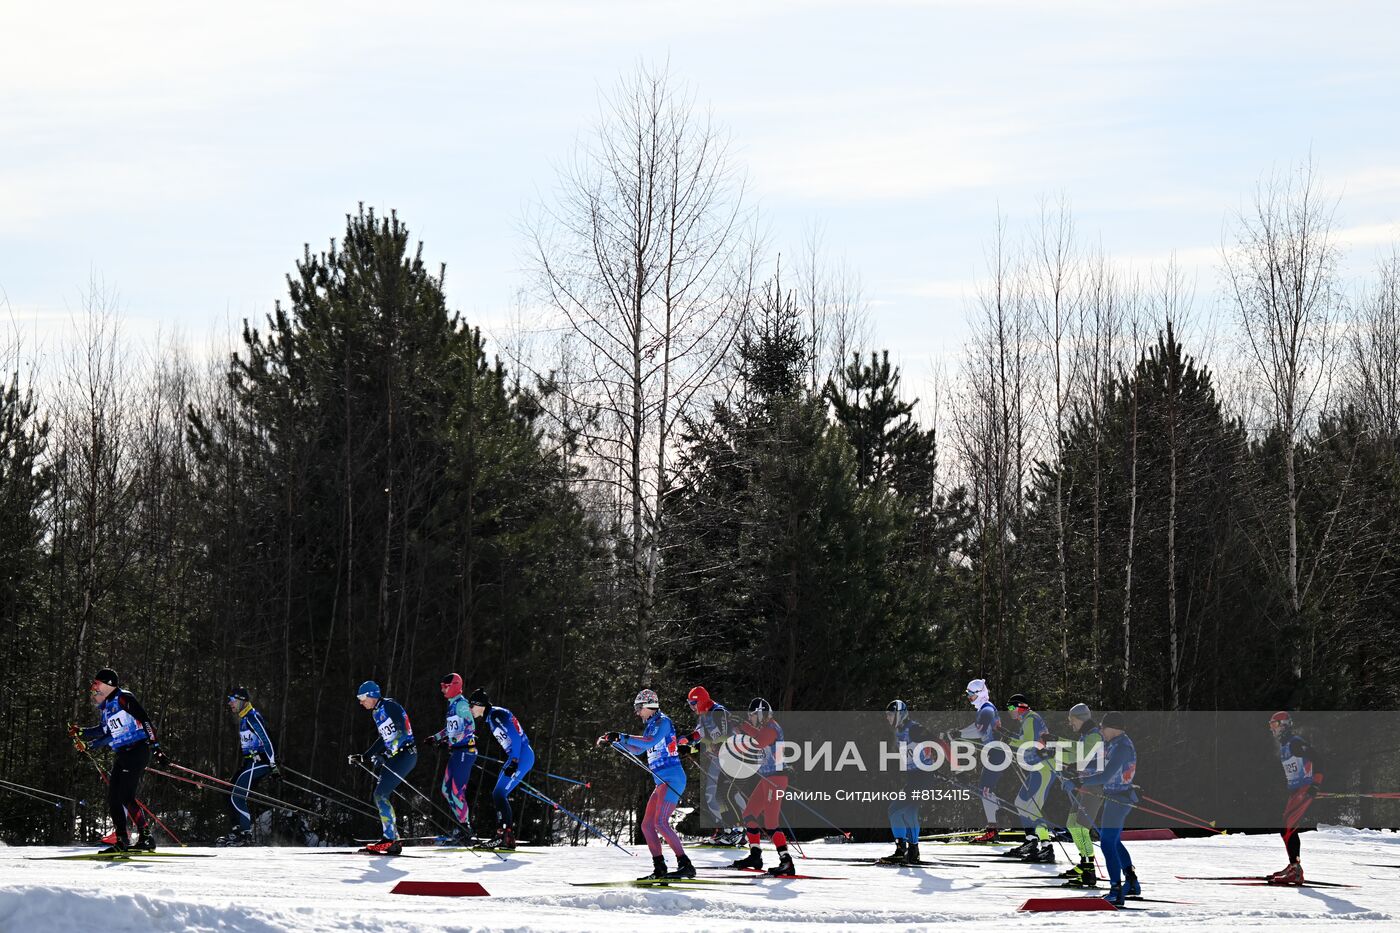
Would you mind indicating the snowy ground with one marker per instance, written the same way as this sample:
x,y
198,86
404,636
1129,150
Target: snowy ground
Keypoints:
x,y
266,890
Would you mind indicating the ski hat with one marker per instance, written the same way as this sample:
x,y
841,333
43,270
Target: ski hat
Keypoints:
x,y
761,706
479,698
977,692
1081,711
369,689
699,698
900,710
646,698
240,694
452,686
107,676
1112,721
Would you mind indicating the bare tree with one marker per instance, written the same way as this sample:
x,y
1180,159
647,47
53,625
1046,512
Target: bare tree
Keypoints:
x,y
1055,294
991,432
1373,349
635,255
1281,272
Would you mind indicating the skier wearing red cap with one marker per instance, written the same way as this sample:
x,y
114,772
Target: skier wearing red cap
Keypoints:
x,y
712,730
459,735
1300,771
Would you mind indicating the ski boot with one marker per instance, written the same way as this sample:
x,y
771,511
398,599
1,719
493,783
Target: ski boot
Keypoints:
x,y
1083,875
658,869
733,836
383,847
239,837
1115,895
1131,886
683,868
753,860
118,847
1293,874
911,854
1023,849
1039,852
504,839
897,856
989,835
145,842
1074,871
784,868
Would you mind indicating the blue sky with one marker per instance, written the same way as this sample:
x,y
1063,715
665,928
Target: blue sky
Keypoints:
x,y
185,156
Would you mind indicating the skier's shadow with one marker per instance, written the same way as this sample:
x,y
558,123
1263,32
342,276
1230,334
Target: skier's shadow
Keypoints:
x,y
381,870
1334,904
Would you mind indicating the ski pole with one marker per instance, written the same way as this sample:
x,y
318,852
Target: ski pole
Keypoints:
x,y
1382,795
534,792
641,764
554,777
398,790
354,801
1185,813
1152,811
255,796
144,809
25,792
229,787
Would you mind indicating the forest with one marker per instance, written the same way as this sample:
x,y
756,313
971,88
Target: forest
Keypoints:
x,y
694,463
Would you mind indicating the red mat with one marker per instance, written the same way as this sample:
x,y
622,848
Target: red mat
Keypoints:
x,y
440,888
1148,835
1067,903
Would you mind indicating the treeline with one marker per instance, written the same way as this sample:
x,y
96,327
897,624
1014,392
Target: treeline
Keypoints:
x,y
694,466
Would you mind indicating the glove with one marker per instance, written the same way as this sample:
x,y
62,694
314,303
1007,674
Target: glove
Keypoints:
x,y
437,738
682,740
690,749
510,767
375,761
275,772
1311,790
74,730
160,756
355,759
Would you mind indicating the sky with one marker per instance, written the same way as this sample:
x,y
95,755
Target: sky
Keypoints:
x,y
181,157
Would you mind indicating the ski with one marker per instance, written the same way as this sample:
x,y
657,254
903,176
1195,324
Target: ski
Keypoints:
x,y
359,852
1261,879
763,873
1301,884
661,883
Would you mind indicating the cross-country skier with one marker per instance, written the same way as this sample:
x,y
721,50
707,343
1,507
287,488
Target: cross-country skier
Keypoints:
x,y
459,735
1116,780
257,762
712,730
1029,742
1300,771
915,742
764,808
1084,806
658,741
520,758
127,731
983,730
392,755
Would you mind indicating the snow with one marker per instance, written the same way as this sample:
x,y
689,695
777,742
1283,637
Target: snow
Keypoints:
x,y
262,890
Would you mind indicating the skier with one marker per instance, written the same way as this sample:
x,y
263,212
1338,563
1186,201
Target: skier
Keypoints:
x,y
520,758
258,761
127,731
1084,806
1116,779
712,730
1300,771
1035,781
765,803
658,740
983,729
392,755
459,735
904,815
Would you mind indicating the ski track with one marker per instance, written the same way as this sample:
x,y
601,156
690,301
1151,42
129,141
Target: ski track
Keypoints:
x,y
262,890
